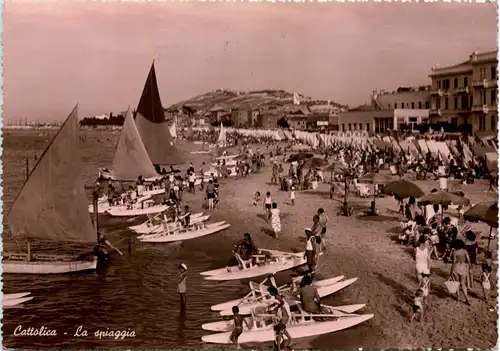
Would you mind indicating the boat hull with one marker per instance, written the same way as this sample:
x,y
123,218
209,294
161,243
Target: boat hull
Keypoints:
x,y
47,267
297,331
178,236
246,308
227,326
257,271
136,211
15,302
229,305
145,227
15,295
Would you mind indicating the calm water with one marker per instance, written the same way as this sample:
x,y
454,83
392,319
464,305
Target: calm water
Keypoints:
x,y
137,292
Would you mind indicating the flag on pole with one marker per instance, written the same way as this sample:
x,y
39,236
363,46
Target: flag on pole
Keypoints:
x,y
296,99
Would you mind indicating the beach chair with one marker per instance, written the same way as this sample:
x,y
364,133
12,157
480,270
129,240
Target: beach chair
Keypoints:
x,y
364,190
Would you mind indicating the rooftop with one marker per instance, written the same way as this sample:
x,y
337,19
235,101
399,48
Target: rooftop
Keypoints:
x,y
465,67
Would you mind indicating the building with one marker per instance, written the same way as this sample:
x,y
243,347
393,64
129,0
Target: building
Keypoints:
x,y
414,98
269,120
466,93
242,117
379,121
318,121
216,113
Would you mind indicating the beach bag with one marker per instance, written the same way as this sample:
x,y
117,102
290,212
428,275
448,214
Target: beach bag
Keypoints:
x,y
486,285
451,285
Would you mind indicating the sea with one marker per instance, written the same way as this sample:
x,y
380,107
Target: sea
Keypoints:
x,y
133,302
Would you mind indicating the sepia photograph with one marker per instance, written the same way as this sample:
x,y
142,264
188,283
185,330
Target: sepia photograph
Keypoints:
x,y
249,175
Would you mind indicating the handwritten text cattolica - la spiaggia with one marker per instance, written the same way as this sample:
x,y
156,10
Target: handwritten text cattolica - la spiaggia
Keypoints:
x,y
79,333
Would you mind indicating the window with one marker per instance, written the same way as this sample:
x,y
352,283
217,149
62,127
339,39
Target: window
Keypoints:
x,y
420,105
483,95
395,105
466,82
493,73
446,84
361,126
455,83
482,73
493,122
493,97
427,105
438,103
439,84
445,103
350,126
482,122
470,101
343,127
368,126
412,105
455,103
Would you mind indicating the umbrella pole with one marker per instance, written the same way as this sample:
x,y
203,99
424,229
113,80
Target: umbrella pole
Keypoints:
x,y
489,239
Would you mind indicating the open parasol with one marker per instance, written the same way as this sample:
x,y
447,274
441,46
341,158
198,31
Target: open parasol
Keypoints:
x,y
374,178
301,156
443,198
403,189
486,212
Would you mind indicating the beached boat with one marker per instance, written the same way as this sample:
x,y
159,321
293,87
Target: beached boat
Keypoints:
x,y
258,291
264,299
267,262
52,206
200,152
103,207
198,230
153,223
228,325
11,300
137,209
173,226
301,325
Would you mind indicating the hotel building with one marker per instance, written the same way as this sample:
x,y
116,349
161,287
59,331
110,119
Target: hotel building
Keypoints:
x,y
466,93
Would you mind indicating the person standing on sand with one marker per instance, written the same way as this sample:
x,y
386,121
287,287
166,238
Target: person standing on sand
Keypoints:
x,y
310,254
460,267
181,287
323,220
268,201
422,258
210,194
316,228
275,220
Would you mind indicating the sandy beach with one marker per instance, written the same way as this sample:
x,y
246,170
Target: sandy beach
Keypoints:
x,y
367,248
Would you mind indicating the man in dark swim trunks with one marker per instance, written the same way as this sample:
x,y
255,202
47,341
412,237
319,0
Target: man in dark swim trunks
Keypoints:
x,y
238,326
282,311
245,249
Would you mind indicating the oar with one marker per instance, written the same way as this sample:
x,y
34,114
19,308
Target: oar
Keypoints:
x,y
310,315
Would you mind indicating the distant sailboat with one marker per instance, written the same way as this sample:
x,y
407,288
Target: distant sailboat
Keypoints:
x,y
173,130
131,159
52,206
152,127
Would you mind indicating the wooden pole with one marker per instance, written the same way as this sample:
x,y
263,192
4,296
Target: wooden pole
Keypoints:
x,y
489,239
96,213
27,168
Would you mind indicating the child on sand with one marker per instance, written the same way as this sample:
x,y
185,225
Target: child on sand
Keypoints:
x,y
487,268
238,326
292,195
418,306
256,198
275,219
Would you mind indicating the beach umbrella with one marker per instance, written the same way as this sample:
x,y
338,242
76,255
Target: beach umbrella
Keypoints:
x,y
443,198
486,212
301,156
375,178
315,163
403,189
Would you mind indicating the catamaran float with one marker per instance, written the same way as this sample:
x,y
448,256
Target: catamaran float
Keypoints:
x,y
228,326
11,300
103,207
267,262
262,299
52,206
156,223
301,325
137,209
194,231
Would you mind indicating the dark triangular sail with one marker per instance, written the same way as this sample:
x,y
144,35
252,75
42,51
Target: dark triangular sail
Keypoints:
x,y
131,158
152,127
52,204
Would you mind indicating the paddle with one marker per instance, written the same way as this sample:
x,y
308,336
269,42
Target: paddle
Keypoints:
x,y
310,315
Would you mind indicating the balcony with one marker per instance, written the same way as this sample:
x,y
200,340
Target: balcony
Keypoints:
x,y
435,112
463,90
484,83
481,108
439,92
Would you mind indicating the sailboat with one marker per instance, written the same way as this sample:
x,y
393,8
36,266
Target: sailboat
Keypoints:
x,y
52,206
131,159
152,127
222,141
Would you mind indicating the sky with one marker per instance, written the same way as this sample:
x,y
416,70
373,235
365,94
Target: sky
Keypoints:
x,y
98,54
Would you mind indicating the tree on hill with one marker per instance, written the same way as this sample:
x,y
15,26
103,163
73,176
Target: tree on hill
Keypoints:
x,y
283,123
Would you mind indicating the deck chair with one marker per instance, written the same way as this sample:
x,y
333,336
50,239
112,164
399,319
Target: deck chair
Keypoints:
x,y
363,190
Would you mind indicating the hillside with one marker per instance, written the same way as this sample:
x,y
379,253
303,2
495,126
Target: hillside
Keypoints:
x,y
228,99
